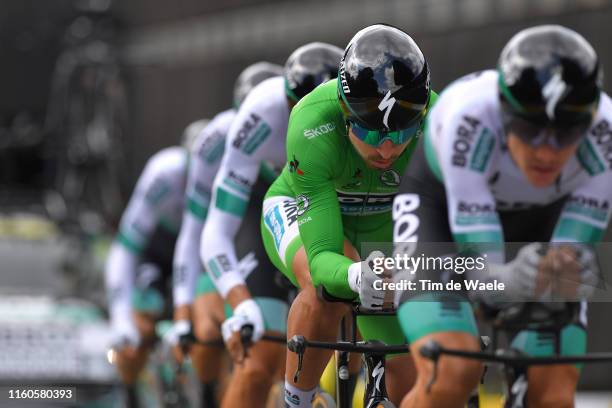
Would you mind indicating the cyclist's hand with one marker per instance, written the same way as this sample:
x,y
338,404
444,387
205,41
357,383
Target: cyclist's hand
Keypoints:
x,y
124,334
247,264
571,271
520,276
361,278
234,346
589,272
246,313
180,335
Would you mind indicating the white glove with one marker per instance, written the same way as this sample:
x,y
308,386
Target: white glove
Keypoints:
x,y
589,270
124,333
179,329
518,275
589,274
247,264
361,278
247,312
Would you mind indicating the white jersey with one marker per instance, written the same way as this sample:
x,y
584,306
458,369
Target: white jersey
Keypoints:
x,y
205,158
466,148
157,201
257,135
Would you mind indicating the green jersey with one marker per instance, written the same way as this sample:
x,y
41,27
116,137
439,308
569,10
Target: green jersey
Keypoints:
x,y
337,195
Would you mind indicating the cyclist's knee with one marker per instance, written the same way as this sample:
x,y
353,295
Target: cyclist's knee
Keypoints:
x,y
457,376
552,386
145,324
558,399
328,311
206,328
256,372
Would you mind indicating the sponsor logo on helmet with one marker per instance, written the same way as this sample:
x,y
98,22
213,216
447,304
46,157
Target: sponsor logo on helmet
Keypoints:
x,y
294,166
554,90
390,178
385,106
319,130
343,82
466,133
302,204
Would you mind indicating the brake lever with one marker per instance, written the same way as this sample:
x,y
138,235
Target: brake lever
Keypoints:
x,y
297,344
431,350
246,334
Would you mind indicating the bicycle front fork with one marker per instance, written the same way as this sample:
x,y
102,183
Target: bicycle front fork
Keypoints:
x,y
376,389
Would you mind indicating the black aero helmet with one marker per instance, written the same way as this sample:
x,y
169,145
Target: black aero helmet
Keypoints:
x,y
310,65
251,76
549,74
383,80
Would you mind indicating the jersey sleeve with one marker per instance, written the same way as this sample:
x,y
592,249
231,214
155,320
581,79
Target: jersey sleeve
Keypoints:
x,y
186,265
138,223
245,149
119,278
466,147
586,213
311,164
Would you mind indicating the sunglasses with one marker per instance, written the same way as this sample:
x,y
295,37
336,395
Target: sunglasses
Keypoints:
x,y
537,134
376,137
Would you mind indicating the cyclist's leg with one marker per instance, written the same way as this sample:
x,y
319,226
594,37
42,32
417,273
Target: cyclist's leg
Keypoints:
x,y
309,316
456,377
400,372
422,213
552,385
148,304
547,386
208,314
312,318
251,380
130,360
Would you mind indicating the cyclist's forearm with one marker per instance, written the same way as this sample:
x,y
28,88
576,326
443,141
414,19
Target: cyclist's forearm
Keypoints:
x,y
331,270
237,295
186,265
217,250
119,274
182,312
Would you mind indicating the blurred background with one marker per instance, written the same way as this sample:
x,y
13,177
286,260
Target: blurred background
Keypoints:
x,y
89,89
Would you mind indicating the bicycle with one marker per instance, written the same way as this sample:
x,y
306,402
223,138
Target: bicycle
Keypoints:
x,y
525,316
374,353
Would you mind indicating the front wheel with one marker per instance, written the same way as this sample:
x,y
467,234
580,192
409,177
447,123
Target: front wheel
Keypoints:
x,y
384,404
323,400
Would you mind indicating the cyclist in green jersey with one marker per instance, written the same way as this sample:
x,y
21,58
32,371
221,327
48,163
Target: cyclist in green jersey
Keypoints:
x,y
348,142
